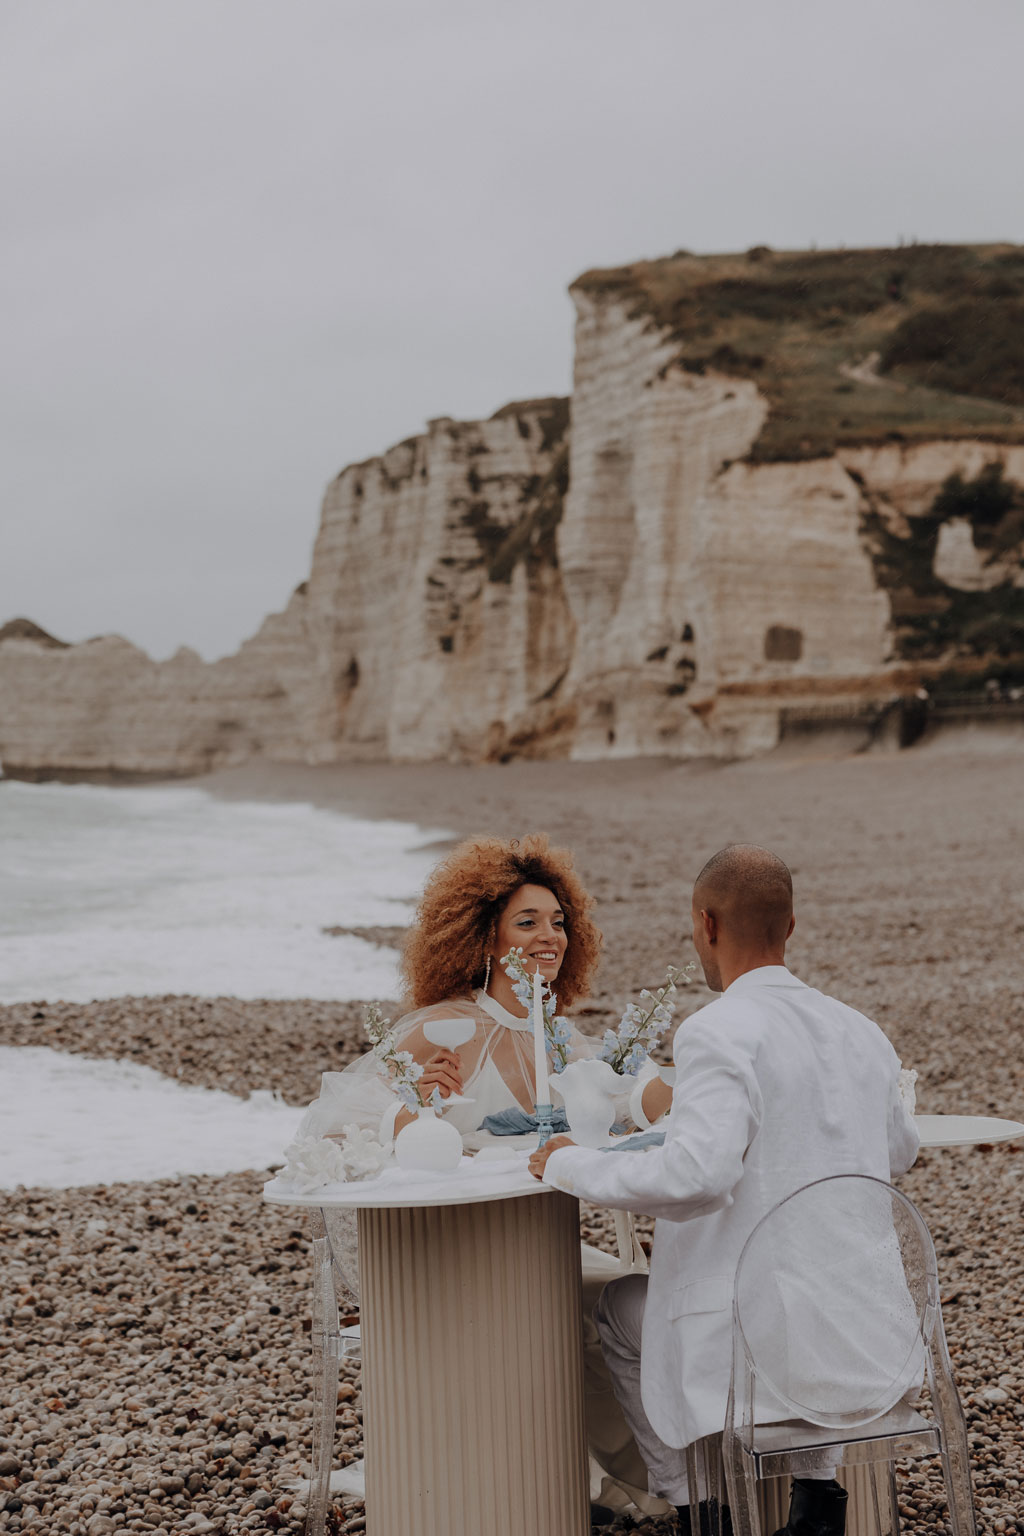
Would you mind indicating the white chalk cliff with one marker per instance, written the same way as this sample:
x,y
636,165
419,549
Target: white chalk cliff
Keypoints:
x,y
626,582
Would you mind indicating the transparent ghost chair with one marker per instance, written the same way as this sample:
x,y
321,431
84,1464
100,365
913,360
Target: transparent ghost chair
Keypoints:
x,y
335,1255
836,1323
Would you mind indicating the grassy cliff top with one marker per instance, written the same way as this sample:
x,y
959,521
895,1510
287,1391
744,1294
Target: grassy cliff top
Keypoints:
x,y
849,347
25,629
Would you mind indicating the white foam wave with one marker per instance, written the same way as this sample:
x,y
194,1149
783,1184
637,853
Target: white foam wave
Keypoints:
x,y
143,891
95,962
66,1121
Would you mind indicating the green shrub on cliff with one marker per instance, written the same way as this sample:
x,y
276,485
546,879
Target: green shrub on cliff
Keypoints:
x,y
972,347
933,621
848,347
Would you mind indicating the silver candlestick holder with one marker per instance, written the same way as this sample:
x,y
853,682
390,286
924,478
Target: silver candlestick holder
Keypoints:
x,y
545,1122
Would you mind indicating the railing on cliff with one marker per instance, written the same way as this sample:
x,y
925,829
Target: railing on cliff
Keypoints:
x,y
907,716
973,706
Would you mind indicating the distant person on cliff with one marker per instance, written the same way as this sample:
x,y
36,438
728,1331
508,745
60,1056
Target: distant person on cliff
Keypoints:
x,y
777,1085
486,897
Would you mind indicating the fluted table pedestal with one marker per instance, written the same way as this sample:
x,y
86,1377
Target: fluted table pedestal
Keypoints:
x,y
472,1353
473,1369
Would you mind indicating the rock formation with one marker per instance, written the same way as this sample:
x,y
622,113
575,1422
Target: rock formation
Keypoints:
x,y
706,549
432,618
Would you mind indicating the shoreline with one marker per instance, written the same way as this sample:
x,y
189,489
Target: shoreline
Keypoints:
x,y
988,734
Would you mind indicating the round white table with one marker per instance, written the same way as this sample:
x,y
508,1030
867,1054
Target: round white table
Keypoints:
x,y
472,1355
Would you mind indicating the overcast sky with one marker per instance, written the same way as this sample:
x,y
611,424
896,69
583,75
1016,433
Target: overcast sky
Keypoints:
x,y
245,243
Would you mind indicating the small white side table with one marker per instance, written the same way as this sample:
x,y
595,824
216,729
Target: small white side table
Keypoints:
x,y
966,1130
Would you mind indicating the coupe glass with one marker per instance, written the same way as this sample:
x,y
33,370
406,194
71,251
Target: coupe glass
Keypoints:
x,y
449,1034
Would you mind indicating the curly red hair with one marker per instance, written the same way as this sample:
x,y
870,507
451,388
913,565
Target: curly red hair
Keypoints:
x,y
446,950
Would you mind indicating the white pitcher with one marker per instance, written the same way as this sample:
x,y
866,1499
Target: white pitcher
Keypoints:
x,y
589,1090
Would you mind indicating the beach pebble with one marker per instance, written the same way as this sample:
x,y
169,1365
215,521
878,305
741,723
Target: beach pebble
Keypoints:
x,y
171,1398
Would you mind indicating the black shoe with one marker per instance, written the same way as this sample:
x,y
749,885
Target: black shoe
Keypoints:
x,y
600,1515
703,1520
816,1508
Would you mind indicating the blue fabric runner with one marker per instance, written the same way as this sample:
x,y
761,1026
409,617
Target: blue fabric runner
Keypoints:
x,y
639,1143
516,1122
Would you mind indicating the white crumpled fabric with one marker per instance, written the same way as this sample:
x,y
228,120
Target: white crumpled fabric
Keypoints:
x,y
313,1161
908,1093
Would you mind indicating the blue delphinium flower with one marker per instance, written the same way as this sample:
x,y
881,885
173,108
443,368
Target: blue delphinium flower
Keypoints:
x,y
635,1059
408,1094
557,1041
627,1048
560,1034
399,1067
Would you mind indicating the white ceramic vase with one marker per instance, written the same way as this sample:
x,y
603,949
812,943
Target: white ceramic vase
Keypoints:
x,y
588,1089
428,1144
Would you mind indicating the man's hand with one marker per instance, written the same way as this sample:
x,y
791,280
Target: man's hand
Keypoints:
x,y
539,1159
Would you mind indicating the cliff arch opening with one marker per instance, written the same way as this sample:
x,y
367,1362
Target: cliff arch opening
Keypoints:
x,y
782,643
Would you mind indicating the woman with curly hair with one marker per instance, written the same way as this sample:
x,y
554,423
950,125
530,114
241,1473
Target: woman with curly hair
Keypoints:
x,y
485,898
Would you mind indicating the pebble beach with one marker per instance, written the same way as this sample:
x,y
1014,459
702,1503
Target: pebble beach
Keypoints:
x,y
154,1337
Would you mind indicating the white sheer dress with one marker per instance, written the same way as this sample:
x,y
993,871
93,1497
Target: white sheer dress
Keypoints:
x,y
497,1072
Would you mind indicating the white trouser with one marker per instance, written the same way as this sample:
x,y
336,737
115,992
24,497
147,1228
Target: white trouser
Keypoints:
x,y
619,1316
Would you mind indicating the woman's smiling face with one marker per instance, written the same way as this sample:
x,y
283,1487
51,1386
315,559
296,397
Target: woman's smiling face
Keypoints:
x,y
532,920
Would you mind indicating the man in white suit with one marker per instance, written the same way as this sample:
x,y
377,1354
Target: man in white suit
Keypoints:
x,y
776,1085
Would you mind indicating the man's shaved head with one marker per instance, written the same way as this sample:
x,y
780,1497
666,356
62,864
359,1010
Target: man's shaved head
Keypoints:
x,y
750,893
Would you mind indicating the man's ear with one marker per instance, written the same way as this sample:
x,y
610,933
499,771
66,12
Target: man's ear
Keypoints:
x,y
710,922
792,925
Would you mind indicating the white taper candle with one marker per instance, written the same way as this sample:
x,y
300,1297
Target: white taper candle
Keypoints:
x,y
540,1053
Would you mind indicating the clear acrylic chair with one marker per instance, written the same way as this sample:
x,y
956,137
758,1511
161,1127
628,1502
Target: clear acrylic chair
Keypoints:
x,y
836,1323
334,1254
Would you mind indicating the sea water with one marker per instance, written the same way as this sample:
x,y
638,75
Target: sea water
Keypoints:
x,y
145,891
72,1120
148,891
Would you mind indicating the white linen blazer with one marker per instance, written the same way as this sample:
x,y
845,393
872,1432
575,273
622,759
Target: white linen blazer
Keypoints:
x,y
776,1085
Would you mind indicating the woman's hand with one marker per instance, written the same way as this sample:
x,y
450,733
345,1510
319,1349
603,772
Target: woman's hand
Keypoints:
x,y
444,1072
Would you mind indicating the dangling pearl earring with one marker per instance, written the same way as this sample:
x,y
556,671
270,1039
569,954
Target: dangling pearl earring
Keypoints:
x,y
487,973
